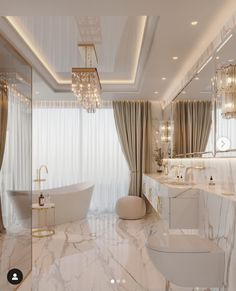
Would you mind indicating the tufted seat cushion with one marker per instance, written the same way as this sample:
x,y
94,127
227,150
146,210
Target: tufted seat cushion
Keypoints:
x,y
130,207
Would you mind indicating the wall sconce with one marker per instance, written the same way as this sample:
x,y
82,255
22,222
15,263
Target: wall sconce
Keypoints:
x,y
166,130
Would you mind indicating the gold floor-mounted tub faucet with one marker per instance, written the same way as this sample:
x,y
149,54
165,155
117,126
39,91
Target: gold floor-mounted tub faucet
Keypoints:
x,y
38,178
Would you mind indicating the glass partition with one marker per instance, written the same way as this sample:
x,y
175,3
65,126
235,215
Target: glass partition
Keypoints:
x,y
15,171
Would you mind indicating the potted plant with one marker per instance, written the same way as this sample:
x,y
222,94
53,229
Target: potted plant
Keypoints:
x,y
158,156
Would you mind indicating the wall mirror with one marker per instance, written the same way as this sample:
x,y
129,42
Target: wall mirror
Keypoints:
x,y
204,112
225,61
192,115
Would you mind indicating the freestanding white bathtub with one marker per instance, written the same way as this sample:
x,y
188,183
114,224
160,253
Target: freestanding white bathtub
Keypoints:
x,y
71,202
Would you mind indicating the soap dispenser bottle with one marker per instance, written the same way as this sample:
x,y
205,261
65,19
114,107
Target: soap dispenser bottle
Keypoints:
x,y
41,199
211,183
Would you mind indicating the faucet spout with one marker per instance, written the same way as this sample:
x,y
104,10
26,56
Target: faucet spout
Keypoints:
x,y
40,169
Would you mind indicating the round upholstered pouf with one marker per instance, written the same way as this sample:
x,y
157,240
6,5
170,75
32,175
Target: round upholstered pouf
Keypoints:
x,y
130,207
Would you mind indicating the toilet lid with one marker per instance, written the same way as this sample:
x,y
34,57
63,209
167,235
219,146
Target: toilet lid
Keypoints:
x,y
171,243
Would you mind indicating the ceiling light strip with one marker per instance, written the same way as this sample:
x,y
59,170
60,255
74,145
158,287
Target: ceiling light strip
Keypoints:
x,y
136,59
223,43
203,66
34,50
137,54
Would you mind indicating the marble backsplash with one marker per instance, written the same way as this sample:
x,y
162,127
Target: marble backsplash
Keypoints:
x,y
223,171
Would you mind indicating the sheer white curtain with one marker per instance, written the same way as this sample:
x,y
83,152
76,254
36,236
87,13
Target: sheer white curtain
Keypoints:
x,y
224,128
78,146
16,168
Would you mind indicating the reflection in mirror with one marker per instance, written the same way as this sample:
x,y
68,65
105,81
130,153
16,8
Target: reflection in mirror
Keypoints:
x,y
166,132
192,115
225,59
15,164
192,121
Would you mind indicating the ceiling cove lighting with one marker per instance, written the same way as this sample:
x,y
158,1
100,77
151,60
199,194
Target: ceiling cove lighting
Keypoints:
x,y
85,81
163,78
175,58
224,42
226,90
156,92
140,38
203,66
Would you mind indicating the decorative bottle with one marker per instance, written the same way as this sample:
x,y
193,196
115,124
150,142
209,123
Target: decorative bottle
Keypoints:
x,y
41,200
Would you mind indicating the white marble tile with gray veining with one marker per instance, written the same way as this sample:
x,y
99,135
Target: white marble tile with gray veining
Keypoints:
x,y
101,253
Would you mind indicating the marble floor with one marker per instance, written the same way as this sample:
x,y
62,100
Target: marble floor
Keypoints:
x,y
100,253
15,252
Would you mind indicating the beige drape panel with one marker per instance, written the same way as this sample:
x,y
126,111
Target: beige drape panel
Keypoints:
x,y
133,123
192,123
3,131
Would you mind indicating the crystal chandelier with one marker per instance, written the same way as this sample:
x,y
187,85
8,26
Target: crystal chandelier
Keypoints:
x,y
85,81
226,89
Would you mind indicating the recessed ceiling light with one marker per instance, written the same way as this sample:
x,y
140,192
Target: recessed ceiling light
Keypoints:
x,y
217,57
194,23
175,58
196,78
183,92
163,78
156,92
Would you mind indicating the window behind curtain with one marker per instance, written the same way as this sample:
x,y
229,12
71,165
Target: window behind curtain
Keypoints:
x,y
224,128
77,147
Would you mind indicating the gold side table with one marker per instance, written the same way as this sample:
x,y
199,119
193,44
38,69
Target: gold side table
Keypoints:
x,y
47,227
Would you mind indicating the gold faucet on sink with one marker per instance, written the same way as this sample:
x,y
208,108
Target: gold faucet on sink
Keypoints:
x,y
39,179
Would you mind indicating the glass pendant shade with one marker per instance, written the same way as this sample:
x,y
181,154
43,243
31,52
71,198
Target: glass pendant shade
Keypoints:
x,y
226,90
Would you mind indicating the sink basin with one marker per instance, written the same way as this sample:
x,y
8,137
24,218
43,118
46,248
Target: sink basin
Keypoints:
x,y
172,181
179,183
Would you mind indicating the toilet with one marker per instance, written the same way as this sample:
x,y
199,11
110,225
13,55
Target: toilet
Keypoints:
x,y
187,260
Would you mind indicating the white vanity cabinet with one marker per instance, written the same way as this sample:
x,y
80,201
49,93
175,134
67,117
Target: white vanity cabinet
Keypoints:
x,y
184,210
177,205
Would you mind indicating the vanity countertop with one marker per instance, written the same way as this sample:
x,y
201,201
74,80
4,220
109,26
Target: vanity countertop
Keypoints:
x,y
170,182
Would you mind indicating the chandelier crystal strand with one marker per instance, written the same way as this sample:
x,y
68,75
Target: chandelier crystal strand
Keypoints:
x,y
226,90
86,83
